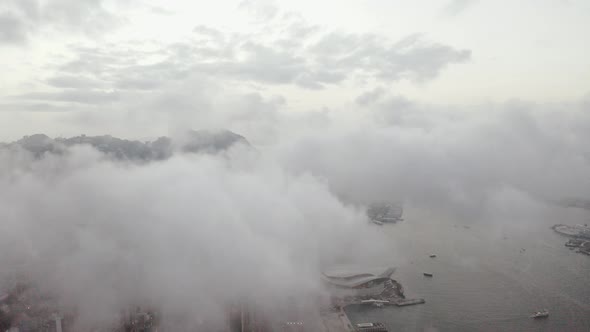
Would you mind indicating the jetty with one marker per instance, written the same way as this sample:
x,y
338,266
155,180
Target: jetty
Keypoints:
x,y
370,327
406,302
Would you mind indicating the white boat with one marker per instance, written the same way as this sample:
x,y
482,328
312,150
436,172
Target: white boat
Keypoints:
x,y
540,314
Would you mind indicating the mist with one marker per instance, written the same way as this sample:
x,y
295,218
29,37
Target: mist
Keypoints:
x,y
190,157
189,235
459,161
195,232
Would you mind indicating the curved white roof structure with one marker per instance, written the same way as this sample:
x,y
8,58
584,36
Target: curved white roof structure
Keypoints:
x,y
357,280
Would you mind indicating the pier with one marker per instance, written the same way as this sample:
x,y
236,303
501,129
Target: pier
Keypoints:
x,y
371,327
404,302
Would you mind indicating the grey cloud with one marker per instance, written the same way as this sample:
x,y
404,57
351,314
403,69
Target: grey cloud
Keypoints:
x,y
455,7
400,112
457,160
298,27
294,32
214,34
100,61
263,63
161,11
332,59
32,106
12,29
301,54
75,82
188,81
90,97
88,15
262,10
148,77
422,62
295,56
307,81
138,83
113,68
21,19
370,97
256,108
340,44
410,58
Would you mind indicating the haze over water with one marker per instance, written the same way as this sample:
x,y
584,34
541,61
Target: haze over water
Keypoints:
x,y
483,280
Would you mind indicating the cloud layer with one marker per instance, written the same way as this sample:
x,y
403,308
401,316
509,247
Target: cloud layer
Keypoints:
x,y
189,235
193,233
458,160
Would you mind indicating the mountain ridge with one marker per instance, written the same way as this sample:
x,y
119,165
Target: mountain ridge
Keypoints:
x,y
193,141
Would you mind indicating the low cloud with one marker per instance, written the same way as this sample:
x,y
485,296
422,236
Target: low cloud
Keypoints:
x,y
189,235
179,232
452,159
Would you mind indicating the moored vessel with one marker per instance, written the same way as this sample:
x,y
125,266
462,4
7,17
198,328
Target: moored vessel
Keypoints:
x,y
540,314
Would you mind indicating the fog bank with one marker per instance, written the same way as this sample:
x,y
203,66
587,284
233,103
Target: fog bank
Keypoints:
x,y
189,235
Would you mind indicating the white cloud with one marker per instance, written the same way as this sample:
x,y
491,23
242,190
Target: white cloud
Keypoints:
x,y
189,235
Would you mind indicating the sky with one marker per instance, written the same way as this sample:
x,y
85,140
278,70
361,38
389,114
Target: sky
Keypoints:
x,y
93,65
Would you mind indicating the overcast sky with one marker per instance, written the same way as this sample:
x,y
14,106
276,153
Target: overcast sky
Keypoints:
x,y
140,68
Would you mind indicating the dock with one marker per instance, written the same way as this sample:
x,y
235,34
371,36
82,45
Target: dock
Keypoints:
x,y
405,302
371,327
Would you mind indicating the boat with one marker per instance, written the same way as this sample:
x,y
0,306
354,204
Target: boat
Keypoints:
x,y
427,274
540,314
377,222
432,256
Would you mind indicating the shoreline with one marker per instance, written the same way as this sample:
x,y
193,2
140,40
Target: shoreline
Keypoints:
x,y
579,237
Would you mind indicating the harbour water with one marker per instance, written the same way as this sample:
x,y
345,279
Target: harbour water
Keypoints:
x,y
487,276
